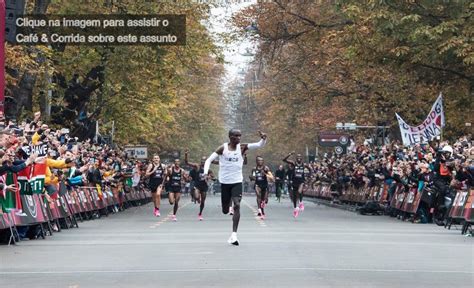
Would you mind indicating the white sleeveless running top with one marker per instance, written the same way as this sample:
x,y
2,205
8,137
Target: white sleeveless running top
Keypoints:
x,y
230,165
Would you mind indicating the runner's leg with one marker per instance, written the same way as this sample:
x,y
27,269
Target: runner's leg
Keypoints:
x,y
236,193
294,195
171,197
300,194
177,196
203,200
226,197
197,195
158,196
258,192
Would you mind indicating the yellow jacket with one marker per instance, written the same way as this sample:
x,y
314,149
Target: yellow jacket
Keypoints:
x,y
55,164
36,137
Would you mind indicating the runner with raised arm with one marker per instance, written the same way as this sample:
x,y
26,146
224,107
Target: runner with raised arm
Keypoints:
x,y
297,179
200,185
230,174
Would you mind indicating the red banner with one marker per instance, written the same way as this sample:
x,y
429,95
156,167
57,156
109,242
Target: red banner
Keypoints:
x,y
459,203
467,213
2,58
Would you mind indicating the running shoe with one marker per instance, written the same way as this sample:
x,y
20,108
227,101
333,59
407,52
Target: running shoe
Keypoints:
x,y
301,206
173,218
259,212
158,214
233,239
231,210
262,217
296,212
200,217
262,205
155,212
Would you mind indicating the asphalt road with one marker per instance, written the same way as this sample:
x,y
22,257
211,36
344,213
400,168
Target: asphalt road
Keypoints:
x,y
324,247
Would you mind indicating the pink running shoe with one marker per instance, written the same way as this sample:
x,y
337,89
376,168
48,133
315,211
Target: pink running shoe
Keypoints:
x,y
173,218
301,206
200,217
262,205
158,214
155,212
296,212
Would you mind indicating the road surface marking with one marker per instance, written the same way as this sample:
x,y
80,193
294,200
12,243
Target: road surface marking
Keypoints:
x,y
238,269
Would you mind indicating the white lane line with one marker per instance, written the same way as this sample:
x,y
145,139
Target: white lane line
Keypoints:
x,y
167,217
258,219
238,269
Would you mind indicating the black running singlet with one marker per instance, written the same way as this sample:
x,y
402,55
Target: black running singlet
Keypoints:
x,y
175,177
260,177
159,172
201,183
298,173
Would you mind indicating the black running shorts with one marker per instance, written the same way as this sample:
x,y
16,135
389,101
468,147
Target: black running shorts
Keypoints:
x,y
154,183
229,191
175,189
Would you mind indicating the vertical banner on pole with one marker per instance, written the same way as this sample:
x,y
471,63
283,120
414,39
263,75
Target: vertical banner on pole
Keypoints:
x,y
2,58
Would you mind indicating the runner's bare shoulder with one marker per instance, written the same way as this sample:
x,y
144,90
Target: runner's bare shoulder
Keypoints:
x,y
220,150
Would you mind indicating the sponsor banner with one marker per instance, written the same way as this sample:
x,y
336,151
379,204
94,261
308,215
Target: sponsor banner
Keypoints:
x,y
426,131
63,207
99,203
139,152
33,211
416,202
93,197
85,205
459,203
75,202
469,207
325,192
409,200
53,207
394,202
383,193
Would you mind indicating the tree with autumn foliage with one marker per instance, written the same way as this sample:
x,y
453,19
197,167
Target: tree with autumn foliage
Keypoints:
x,y
358,61
156,95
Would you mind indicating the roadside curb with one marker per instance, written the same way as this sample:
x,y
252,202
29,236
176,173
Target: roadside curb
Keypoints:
x,y
333,205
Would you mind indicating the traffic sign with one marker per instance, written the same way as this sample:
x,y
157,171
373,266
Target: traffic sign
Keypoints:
x,y
333,139
343,140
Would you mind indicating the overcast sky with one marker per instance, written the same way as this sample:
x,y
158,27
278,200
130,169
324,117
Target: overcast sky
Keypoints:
x,y
235,61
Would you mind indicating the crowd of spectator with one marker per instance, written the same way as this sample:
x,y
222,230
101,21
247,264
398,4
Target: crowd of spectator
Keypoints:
x,y
367,165
65,162
69,162
443,165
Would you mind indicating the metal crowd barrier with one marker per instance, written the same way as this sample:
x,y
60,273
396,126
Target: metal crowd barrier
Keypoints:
x,y
79,203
